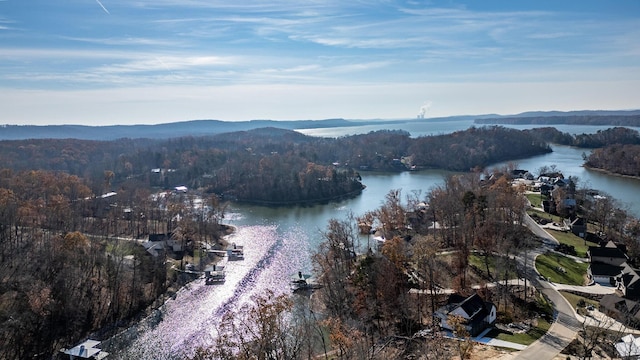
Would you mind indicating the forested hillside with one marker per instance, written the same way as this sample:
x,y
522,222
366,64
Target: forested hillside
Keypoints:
x,y
618,159
266,165
66,271
612,118
601,138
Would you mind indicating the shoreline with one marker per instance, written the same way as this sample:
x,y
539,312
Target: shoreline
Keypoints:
x,y
310,202
611,173
153,314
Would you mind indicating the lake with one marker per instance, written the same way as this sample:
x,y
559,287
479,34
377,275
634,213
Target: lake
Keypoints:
x,y
279,241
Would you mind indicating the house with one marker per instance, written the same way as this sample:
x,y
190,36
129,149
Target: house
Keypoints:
x,y
165,243
477,313
521,174
628,347
628,282
625,310
545,189
609,253
606,264
608,259
603,274
578,226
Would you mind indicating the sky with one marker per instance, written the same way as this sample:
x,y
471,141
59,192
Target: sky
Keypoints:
x,y
104,62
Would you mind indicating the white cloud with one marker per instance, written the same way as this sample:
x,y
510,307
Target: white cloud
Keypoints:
x,y
317,58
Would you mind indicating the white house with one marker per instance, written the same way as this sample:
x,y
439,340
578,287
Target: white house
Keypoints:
x,y
477,313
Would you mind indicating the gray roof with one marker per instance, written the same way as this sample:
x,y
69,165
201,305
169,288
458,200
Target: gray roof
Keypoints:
x,y
598,251
601,269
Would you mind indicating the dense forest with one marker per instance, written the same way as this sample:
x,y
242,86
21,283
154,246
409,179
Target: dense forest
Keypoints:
x,y
601,138
70,263
266,165
617,159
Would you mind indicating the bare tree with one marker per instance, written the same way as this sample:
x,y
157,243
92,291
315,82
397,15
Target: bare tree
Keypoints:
x,y
425,255
262,330
335,260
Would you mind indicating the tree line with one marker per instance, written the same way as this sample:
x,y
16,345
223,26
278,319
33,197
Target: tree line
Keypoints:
x,y
629,119
267,165
601,138
615,150
617,159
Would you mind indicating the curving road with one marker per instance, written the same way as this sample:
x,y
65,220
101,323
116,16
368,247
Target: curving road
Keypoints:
x,y
563,330
565,326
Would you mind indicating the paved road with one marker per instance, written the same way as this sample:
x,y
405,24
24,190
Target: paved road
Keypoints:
x,y
563,330
565,327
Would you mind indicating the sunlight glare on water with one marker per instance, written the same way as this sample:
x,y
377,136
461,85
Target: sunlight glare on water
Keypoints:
x,y
189,321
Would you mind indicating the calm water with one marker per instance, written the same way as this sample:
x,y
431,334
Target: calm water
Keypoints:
x,y
279,242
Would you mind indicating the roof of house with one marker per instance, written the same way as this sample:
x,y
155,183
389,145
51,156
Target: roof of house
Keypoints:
x,y
86,350
628,346
609,252
612,301
630,276
601,269
473,305
578,221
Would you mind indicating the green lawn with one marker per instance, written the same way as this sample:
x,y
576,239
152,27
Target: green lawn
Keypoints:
x,y
477,260
568,238
548,265
573,299
525,338
536,199
542,214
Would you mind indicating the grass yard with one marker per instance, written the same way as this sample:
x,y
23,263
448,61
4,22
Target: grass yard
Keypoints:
x,y
574,299
523,338
541,214
536,199
478,260
568,238
549,266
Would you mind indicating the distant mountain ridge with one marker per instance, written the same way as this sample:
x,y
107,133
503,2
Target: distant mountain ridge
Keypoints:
x,y
584,117
212,127
159,131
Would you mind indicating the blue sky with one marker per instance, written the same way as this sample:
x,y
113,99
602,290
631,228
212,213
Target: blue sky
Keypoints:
x,y
99,62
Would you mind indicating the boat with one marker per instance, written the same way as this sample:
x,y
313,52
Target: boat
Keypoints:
x,y
86,350
235,252
303,282
214,275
